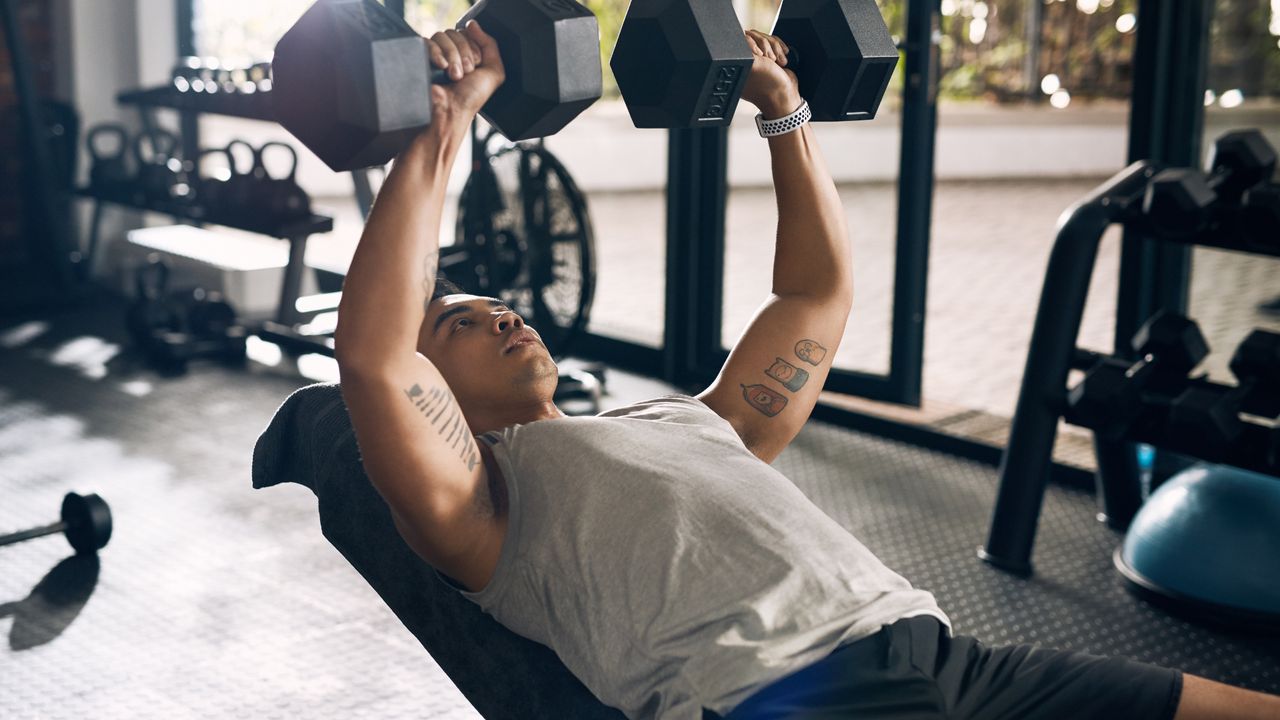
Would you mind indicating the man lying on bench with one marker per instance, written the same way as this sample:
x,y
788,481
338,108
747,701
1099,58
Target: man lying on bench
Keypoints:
x,y
653,548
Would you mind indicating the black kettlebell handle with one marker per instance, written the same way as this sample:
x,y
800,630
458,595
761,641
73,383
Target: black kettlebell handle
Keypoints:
x,y
163,145
259,166
234,161
92,141
231,161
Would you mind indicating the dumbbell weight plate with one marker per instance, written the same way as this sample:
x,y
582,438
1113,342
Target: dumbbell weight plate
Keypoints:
x,y
681,63
551,54
848,55
351,79
88,521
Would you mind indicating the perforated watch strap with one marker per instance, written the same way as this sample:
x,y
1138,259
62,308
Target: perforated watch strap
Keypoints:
x,y
784,125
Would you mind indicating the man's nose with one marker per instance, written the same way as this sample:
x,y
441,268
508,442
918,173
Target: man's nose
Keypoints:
x,y
508,320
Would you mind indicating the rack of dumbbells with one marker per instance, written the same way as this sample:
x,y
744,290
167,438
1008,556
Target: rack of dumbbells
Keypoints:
x,y
233,186
1153,399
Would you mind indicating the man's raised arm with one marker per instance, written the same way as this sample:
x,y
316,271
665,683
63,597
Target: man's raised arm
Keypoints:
x,y
394,268
416,446
772,378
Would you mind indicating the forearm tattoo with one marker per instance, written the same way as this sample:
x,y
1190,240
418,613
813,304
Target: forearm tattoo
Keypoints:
x,y
770,402
440,408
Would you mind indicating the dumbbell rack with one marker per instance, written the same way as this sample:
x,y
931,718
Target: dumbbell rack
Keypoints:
x,y
282,329
1053,354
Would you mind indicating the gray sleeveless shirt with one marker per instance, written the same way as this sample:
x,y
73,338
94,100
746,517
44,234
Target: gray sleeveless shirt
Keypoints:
x,y
671,569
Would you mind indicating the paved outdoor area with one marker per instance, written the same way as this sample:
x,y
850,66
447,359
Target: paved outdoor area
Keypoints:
x,y
991,242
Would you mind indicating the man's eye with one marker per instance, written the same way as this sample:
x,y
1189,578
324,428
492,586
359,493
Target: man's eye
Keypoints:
x,y
458,323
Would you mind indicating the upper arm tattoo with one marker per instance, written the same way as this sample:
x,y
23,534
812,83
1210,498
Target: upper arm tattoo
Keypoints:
x,y
791,377
439,407
770,402
810,351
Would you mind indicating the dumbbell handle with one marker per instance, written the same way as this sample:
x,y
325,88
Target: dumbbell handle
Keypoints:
x,y
21,535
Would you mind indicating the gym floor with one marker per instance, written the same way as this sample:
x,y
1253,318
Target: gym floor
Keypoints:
x,y
216,600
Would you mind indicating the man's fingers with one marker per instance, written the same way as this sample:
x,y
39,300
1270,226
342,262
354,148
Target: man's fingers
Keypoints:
x,y
466,52
437,56
755,47
764,42
451,55
487,45
779,50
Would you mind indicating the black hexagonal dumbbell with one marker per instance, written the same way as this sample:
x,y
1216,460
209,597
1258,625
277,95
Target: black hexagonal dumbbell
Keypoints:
x,y
1208,415
683,63
1240,160
1178,202
1110,398
1260,216
1256,365
352,80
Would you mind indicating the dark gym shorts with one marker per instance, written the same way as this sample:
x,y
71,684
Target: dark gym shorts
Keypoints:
x,y
915,669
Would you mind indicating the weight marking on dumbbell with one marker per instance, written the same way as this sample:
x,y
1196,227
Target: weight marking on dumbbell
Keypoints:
x,y
723,89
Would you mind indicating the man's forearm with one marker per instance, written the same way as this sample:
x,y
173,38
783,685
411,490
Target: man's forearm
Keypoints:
x,y
394,268
812,256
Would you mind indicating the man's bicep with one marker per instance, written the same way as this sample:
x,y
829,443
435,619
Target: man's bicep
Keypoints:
x,y
419,453
770,383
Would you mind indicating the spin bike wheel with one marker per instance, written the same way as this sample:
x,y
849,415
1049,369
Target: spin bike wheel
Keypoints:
x,y
524,236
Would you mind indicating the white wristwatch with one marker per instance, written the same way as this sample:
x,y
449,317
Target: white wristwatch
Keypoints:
x,y
784,125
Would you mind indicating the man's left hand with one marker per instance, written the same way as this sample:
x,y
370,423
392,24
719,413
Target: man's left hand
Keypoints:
x,y
770,86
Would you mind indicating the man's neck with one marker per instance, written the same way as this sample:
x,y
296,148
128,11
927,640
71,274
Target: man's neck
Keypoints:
x,y
490,419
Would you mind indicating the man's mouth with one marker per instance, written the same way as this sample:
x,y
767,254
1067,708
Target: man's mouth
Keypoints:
x,y
522,338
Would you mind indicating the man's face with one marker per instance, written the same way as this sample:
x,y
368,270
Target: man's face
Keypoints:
x,y
486,353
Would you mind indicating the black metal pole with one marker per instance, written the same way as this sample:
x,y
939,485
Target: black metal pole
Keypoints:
x,y
188,122
1024,470
696,194
915,202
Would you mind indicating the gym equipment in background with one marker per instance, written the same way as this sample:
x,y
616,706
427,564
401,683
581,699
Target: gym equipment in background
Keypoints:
x,y
524,235
1109,398
352,80
1197,417
172,328
85,521
1205,544
1182,201
683,63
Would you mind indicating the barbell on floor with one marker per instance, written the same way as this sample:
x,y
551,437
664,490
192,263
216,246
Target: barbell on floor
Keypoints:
x,y
86,521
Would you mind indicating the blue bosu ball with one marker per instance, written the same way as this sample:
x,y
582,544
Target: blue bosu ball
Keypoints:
x,y
1207,542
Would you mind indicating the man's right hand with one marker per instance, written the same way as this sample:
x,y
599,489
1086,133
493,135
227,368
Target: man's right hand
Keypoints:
x,y
771,87
471,58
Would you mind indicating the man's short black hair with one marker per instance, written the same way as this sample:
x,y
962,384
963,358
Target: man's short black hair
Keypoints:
x,y
444,287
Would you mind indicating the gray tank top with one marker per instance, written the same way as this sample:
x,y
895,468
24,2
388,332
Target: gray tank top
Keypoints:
x,y
671,569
